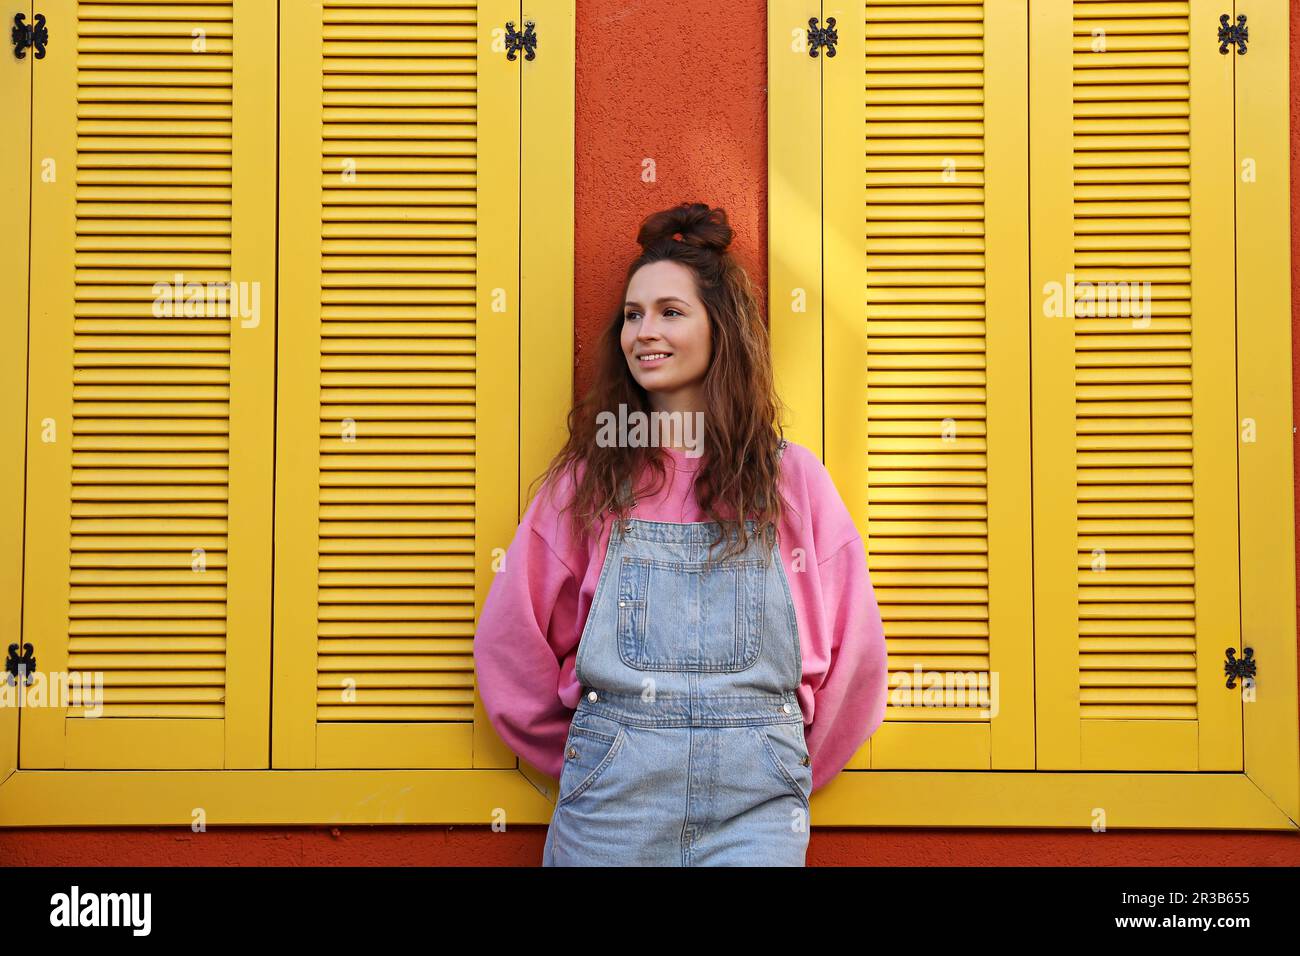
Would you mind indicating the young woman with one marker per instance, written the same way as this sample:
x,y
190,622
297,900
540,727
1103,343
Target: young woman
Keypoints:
x,y
720,670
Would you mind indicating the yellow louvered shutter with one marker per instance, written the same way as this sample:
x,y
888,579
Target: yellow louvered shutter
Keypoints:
x,y
1135,539
398,352
926,364
148,549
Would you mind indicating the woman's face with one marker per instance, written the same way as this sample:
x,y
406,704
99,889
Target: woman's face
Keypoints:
x,y
663,315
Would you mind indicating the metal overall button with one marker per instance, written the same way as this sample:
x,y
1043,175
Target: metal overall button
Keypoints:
x,y
689,615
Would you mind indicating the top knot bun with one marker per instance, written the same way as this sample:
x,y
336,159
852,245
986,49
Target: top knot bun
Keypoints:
x,y
694,224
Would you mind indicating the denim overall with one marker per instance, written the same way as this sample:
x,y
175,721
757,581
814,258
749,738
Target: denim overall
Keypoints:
x,y
687,746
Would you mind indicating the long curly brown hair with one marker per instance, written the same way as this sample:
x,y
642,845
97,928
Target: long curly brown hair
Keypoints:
x,y
740,470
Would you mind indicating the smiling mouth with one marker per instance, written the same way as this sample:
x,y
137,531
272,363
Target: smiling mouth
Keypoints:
x,y
653,356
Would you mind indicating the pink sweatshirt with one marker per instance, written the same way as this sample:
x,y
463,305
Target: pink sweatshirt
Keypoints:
x,y
527,636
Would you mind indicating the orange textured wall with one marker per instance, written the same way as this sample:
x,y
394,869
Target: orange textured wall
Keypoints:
x,y
680,83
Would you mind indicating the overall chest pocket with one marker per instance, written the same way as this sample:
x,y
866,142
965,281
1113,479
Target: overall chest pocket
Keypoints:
x,y
690,616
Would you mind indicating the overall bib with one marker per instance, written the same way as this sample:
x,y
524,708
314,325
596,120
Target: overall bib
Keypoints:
x,y
687,745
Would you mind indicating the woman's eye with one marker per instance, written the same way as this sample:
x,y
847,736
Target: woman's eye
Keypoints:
x,y
629,316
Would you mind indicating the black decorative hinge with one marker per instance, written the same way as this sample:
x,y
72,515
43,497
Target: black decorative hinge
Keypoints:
x,y
34,36
1244,668
819,36
526,41
23,667
1228,34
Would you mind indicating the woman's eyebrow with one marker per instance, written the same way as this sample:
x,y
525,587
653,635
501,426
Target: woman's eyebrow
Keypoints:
x,y
659,301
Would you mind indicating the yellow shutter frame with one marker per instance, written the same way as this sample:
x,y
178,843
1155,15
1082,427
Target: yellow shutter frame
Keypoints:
x,y
399,391
542,360
148,489
794,204
926,364
1135,556
15,220
1262,141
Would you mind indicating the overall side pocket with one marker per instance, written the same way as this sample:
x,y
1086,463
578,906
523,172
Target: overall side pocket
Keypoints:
x,y
788,757
587,755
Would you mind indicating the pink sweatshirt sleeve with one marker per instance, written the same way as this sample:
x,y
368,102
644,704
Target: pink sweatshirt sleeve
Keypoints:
x,y
850,703
528,617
